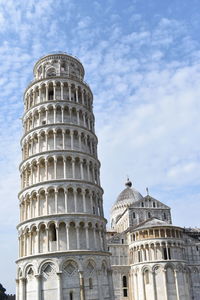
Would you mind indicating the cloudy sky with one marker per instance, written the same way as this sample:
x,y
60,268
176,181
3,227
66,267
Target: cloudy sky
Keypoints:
x,y
142,61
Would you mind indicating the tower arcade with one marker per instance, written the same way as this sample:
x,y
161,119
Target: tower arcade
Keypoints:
x,y
62,248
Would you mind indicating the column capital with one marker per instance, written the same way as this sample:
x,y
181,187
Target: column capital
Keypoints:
x,y
23,279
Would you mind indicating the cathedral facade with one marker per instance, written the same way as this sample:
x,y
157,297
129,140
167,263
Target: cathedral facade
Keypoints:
x,y
151,258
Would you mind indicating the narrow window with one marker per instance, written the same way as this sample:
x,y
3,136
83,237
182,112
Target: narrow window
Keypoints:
x,y
133,215
142,204
169,253
164,216
197,248
154,204
50,95
124,285
125,292
145,255
139,256
165,253
124,281
122,241
149,215
71,295
90,284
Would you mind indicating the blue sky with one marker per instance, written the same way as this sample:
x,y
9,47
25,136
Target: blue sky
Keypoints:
x,y
142,61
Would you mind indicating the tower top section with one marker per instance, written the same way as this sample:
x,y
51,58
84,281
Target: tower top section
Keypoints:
x,y
58,64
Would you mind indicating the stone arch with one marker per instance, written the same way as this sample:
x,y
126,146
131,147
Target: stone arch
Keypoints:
x,y
170,279
42,238
70,200
62,236
70,277
72,236
91,282
159,281
29,270
19,273
50,72
53,236
49,278
105,280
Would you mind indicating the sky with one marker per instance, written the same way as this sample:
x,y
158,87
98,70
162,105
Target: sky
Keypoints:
x,y
142,62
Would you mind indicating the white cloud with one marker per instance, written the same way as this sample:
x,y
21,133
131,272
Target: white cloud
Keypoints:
x,y
146,87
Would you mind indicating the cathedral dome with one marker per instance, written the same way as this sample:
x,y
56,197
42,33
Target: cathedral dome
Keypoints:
x,y
129,194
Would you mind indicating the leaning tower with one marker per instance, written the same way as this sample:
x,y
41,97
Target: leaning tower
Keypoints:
x,y
62,249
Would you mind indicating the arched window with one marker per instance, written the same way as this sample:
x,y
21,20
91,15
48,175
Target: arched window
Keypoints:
x,y
146,277
154,204
90,284
133,215
149,215
52,233
50,94
165,253
51,72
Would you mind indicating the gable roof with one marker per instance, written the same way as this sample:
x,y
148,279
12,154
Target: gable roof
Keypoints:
x,y
148,197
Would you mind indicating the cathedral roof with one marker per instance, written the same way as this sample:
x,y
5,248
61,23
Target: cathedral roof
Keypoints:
x,y
129,194
152,222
